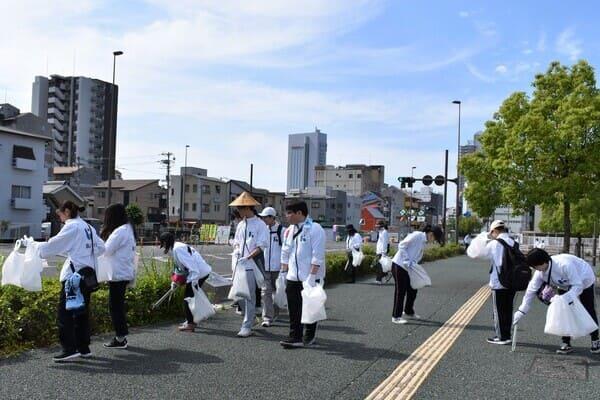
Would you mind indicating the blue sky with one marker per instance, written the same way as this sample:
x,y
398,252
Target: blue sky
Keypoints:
x,y
233,78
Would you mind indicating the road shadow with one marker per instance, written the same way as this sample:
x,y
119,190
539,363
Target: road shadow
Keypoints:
x,y
139,361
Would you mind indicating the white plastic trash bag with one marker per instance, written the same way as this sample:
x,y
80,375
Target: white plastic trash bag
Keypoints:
x,y
280,297
564,319
477,248
33,265
259,277
357,258
200,307
13,266
386,264
313,303
136,263
103,270
239,285
418,277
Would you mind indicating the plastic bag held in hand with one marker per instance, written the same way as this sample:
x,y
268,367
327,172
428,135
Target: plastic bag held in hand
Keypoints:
x,y
418,277
357,258
386,264
280,297
31,278
200,307
103,270
13,266
313,303
477,248
565,318
239,285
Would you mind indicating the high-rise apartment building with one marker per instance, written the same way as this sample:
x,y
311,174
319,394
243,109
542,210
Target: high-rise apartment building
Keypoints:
x,y
305,152
82,112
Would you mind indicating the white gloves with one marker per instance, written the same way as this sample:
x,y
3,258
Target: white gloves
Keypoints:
x,y
517,317
312,280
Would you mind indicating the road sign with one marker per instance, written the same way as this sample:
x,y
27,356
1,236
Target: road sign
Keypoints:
x,y
402,213
427,180
420,219
421,213
439,180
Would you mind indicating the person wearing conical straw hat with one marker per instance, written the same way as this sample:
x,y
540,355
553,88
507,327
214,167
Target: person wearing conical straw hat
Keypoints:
x,y
249,243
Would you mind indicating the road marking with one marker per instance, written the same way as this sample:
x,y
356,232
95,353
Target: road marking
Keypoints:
x,y
406,379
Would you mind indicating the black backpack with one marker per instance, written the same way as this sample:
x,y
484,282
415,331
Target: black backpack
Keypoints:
x,y
515,274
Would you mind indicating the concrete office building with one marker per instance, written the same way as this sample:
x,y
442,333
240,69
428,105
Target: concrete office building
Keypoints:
x,y
82,112
305,152
352,179
325,205
24,172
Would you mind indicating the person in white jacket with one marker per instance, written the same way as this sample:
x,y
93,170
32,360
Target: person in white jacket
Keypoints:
x,y
353,244
79,242
120,241
381,249
302,260
568,276
272,265
189,269
249,243
410,252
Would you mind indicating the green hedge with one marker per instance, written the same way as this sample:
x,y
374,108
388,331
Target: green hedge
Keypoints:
x,y
28,319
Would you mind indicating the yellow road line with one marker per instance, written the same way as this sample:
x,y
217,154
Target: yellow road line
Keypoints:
x,y
412,372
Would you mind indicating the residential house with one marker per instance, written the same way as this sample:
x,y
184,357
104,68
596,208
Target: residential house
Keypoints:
x,y
146,193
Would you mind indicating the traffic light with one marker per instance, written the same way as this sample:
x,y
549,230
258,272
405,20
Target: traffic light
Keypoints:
x,y
406,181
427,180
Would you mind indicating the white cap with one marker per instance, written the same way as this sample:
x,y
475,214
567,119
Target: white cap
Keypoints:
x,y
268,212
497,224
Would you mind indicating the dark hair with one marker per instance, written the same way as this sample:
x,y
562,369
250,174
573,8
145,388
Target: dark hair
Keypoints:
x,y
537,257
438,234
115,216
235,214
167,241
297,206
351,229
73,208
382,224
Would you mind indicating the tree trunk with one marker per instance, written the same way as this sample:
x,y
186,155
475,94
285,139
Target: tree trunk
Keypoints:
x,y
567,226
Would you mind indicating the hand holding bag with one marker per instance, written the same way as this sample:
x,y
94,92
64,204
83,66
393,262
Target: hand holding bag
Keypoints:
x,y
200,307
313,303
239,284
418,276
280,297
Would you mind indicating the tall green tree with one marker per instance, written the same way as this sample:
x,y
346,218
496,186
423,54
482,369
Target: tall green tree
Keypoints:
x,y
135,214
467,225
540,149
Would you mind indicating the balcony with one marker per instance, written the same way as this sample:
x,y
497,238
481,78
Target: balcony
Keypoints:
x,y
58,135
55,101
59,147
54,91
21,204
56,112
56,123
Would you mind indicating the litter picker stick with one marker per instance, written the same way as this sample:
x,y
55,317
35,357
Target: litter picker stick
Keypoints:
x,y
163,298
514,338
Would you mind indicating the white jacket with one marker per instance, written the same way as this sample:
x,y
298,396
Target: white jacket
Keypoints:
x,y
120,253
75,242
383,242
495,253
304,246
186,257
410,249
273,250
250,234
354,242
568,272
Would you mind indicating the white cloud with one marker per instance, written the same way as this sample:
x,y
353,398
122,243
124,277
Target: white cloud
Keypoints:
x,y
464,14
478,74
501,69
568,44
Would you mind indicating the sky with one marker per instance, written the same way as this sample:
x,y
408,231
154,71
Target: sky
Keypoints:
x,y
232,78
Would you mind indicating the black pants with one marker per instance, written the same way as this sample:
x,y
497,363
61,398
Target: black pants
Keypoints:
x,y
189,292
378,268
73,327
402,290
293,290
117,308
350,268
587,299
503,300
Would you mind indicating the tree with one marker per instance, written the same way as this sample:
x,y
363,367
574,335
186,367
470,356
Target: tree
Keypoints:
x,y
540,150
584,215
467,225
134,213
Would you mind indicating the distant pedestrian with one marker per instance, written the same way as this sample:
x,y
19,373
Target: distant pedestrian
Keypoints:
x,y
250,241
302,260
120,240
272,265
80,243
353,244
382,249
410,252
189,269
467,240
568,276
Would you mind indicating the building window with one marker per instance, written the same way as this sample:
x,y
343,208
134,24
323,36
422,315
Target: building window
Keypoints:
x,y
194,206
172,192
350,176
205,189
102,194
195,188
205,207
315,204
186,207
187,188
217,207
173,210
21,192
218,189
358,176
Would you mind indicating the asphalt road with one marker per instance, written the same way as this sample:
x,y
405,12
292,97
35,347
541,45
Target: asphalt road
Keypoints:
x,y
358,347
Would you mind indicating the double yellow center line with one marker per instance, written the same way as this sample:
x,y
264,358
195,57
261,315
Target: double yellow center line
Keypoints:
x,y
404,382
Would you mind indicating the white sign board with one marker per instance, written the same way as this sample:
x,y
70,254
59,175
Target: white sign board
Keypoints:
x,y
223,234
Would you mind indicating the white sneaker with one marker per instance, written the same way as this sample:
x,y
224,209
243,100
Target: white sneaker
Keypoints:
x,y
408,316
399,321
266,323
245,332
377,282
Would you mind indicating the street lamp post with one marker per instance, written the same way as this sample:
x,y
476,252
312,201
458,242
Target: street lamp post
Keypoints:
x,y
458,208
183,175
113,130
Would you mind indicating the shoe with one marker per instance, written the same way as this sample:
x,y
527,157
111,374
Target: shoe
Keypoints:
x,y
266,323
411,316
565,348
239,312
187,327
66,356
85,352
116,344
399,321
310,341
497,340
595,347
291,344
245,332
378,282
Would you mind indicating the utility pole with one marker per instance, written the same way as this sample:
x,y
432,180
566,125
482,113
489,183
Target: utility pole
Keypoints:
x,y
167,162
445,194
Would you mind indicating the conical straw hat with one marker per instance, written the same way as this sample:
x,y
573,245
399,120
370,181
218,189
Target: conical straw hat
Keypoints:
x,y
244,200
